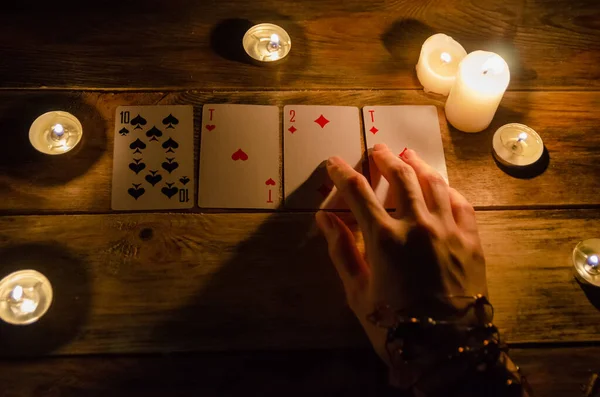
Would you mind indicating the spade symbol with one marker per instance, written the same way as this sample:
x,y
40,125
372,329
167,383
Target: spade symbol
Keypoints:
x,y
123,131
170,120
169,190
138,121
137,166
136,191
153,133
154,178
184,180
170,144
170,165
137,145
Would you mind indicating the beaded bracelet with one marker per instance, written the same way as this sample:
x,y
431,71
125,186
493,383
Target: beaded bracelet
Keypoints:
x,y
474,344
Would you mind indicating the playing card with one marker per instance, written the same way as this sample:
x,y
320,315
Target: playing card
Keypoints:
x,y
312,134
240,157
153,158
413,127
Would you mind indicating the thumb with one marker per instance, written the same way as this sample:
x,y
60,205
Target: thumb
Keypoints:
x,y
344,254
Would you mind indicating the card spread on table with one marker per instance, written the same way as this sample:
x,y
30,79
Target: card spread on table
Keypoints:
x,y
312,134
153,158
413,127
240,155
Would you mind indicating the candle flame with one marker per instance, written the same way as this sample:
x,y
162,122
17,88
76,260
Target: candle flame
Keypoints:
x,y
28,306
17,293
494,64
445,57
523,136
59,129
275,38
593,260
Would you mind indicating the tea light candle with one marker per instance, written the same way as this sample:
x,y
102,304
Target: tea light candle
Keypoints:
x,y
586,259
266,42
481,81
55,132
25,296
517,145
438,63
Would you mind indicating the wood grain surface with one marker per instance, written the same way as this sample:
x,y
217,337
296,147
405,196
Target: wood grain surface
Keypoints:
x,y
179,44
185,282
552,372
80,181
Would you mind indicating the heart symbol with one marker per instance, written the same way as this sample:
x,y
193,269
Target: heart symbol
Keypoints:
x,y
136,193
153,179
137,167
169,191
170,166
270,182
184,180
239,155
210,127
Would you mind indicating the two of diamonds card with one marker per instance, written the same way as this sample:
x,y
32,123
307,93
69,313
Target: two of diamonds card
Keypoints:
x,y
312,134
153,165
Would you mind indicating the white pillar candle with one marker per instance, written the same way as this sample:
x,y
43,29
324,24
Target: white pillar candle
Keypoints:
x,y
438,63
480,84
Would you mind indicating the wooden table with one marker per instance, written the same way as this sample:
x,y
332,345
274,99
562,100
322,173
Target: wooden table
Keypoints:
x,y
225,303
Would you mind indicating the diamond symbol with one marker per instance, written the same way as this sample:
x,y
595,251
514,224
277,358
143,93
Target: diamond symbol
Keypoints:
x,y
324,190
322,121
374,130
292,129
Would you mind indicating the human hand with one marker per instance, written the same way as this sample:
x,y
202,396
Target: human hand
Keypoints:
x,y
416,257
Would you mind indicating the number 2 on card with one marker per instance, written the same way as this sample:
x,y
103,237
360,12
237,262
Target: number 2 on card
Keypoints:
x,y
292,116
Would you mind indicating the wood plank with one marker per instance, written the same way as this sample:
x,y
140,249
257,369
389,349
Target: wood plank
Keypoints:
x,y
81,181
552,372
180,282
190,45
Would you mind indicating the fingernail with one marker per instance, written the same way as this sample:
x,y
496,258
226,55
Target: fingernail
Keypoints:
x,y
379,146
403,152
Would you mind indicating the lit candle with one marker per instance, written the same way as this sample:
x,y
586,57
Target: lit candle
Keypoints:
x,y
266,42
586,259
55,132
517,145
480,84
438,63
25,296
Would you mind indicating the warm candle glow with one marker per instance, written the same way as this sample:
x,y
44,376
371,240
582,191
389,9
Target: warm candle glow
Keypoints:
x,y
25,296
17,293
481,81
438,62
445,57
592,260
266,42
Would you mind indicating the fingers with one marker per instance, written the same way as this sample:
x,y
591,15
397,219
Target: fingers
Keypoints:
x,y
403,181
357,193
344,254
435,189
463,212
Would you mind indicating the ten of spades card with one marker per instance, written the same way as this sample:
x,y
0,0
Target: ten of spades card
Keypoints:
x,y
153,164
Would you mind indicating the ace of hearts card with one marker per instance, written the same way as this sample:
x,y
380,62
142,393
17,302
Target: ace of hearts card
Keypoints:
x,y
240,157
153,163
